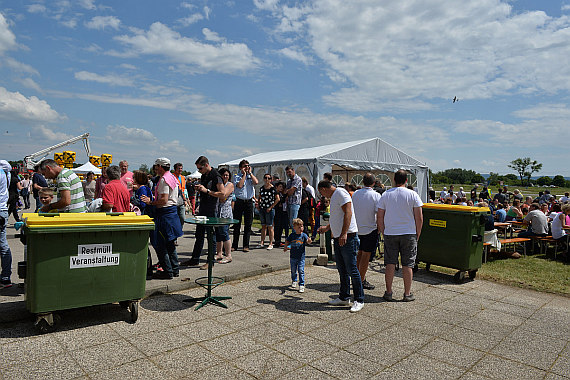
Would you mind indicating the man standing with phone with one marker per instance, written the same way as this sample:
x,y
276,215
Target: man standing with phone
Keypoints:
x,y
244,191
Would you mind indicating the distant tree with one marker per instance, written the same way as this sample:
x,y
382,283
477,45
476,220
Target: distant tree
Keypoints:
x,y
511,179
493,179
477,178
525,167
559,181
544,181
567,183
144,168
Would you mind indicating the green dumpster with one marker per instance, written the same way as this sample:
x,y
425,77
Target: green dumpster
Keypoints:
x,y
78,260
452,236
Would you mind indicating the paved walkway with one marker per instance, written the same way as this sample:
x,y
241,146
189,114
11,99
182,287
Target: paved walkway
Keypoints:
x,y
475,330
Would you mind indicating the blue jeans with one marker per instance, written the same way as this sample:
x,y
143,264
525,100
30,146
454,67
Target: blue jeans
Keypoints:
x,y
5,253
292,211
345,257
298,266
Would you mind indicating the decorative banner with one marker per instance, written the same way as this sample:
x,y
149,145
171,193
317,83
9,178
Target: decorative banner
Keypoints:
x,y
94,255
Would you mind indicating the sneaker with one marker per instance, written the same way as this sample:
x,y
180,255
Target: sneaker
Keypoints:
x,y
294,284
409,298
301,288
260,245
5,284
366,285
270,247
162,276
387,297
191,262
356,306
246,249
338,302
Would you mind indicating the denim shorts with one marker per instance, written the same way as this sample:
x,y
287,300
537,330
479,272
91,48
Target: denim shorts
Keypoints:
x,y
405,245
266,218
223,233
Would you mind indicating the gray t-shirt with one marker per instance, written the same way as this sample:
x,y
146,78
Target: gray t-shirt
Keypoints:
x,y
538,222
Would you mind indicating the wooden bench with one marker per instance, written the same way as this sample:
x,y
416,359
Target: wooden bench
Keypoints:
x,y
486,248
550,240
514,242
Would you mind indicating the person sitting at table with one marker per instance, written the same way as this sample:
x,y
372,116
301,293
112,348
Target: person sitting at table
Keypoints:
x,y
538,222
559,223
443,194
565,198
500,213
517,195
451,196
448,201
544,208
527,202
502,198
470,202
515,211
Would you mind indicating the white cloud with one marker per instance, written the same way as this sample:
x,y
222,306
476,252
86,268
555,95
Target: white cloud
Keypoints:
x,y
30,83
112,80
186,21
431,49
188,5
50,135
36,8
88,4
15,106
212,36
174,146
121,134
128,66
161,40
20,67
103,22
7,38
565,7
71,23
207,11
266,5
295,55
457,162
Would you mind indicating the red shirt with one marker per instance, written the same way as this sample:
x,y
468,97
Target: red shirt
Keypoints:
x,y
115,194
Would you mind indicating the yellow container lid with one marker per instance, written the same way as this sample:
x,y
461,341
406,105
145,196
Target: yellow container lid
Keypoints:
x,y
444,207
86,219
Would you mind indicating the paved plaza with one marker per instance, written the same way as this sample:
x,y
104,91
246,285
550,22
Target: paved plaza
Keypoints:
x,y
476,330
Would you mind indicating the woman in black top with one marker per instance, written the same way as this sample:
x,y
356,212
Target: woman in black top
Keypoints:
x,y
268,199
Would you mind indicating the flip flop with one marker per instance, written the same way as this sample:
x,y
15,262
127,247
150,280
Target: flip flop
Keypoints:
x,y
224,261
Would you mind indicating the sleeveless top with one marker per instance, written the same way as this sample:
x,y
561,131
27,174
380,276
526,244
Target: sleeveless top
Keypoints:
x,y
224,208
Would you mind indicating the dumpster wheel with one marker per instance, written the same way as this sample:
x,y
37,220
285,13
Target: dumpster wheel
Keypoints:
x,y
472,274
46,323
428,267
134,309
459,277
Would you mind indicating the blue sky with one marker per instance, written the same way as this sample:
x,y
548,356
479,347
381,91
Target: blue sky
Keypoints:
x,y
227,79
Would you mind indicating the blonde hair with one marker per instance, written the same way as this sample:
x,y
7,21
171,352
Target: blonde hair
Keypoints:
x,y
46,191
298,222
566,208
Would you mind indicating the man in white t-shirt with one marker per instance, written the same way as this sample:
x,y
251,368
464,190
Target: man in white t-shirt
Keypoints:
x,y
366,202
400,220
342,224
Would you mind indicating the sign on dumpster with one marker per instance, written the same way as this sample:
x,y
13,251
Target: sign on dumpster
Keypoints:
x,y
94,255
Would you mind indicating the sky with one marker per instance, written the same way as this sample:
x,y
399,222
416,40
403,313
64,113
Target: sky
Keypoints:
x,y
227,79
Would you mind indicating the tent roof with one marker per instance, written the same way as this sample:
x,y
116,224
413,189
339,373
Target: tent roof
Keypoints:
x,y
86,168
369,150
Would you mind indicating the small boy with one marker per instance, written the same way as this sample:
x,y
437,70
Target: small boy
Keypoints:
x,y
297,241
46,196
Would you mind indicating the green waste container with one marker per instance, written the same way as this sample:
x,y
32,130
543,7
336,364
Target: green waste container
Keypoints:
x,y
76,260
452,236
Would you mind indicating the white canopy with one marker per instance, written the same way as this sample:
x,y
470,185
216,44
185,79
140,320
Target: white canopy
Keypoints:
x,y
86,168
362,155
196,174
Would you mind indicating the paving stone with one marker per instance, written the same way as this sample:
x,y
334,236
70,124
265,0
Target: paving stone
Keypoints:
x,y
106,356
222,370
145,324
553,376
232,346
337,334
530,348
452,353
379,351
205,329
29,349
473,376
548,327
306,373
561,366
60,366
417,366
432,295
345,365
305,349
466,304
400,335
267,364
81,338
156,342
516,310
498,368
299,322
270,333
186,361
486,327
473,339
135,370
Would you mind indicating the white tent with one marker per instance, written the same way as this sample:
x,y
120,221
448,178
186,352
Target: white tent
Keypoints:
x,y
347,161
196,174
86,168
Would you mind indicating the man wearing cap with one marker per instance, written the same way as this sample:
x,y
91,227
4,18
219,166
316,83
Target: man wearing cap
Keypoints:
x,y
5,253
69,189
167,223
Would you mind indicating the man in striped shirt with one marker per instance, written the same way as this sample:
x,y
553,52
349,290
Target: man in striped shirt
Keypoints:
x,y
69,189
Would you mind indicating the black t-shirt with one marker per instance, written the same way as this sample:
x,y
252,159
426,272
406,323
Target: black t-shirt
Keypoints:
x,y
502,198
38,179
208,203
267,197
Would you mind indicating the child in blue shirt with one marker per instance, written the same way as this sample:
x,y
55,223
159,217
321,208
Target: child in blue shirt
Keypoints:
x,y
296,242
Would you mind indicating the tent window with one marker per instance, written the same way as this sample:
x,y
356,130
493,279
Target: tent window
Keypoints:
x,y
338,180
412,180
384,179
357,179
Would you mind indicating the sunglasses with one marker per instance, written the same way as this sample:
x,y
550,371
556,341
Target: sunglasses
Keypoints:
x,y
266,177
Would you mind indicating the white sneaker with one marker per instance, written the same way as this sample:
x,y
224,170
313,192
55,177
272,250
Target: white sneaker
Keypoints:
x,y
260,245
270,247
356,306
338,302
294,284
302,289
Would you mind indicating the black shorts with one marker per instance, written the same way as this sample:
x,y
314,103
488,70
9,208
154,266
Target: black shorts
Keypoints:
x,y
369,242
